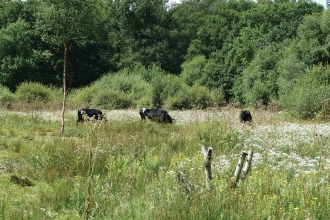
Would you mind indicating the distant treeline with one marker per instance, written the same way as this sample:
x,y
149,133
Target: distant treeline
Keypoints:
x,y
264,53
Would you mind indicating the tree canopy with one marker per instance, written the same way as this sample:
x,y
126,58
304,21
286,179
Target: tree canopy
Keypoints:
x,y
250,50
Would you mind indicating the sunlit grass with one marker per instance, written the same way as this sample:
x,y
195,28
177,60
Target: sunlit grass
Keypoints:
x,y
135,165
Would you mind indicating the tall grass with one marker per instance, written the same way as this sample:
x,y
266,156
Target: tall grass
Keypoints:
x,y
127,169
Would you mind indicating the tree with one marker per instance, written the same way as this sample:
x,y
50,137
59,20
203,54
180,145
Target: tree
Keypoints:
x,y
16,56
60,22
10,11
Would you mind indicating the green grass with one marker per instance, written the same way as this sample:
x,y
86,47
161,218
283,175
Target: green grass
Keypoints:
x,y
127,169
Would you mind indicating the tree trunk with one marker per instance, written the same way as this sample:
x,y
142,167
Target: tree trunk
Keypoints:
x,y
64,82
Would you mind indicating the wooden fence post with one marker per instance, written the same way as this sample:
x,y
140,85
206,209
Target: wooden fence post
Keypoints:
x,y
184,183
238,169
207,162
247,165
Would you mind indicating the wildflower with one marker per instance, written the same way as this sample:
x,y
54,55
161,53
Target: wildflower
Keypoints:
x,y
296,209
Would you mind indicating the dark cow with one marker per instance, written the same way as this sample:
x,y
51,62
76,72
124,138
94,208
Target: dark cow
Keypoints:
x,y
91,113
245,116
158,115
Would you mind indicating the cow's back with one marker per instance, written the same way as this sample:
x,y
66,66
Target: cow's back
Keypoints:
x,y
245,115
159,115
91,113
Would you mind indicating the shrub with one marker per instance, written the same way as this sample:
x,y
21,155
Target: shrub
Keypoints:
x,y
139,89
324,113
259,91
179,101
165,87
149,73
308,96
200,97
112,99
290,70
193,70
132,85
144,102
85,95
218,97
156,92
195,97
6,96
31,92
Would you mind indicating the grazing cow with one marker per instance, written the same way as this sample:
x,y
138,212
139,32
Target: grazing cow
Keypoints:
x,y
94,113
245,116
158,115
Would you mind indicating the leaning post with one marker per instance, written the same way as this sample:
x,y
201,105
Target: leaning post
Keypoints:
x,y
247,165
238,169
207,163
184,182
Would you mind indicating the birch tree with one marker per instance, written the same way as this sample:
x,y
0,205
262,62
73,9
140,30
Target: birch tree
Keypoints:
x,y
61,22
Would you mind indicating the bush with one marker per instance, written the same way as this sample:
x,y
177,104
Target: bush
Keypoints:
x,y
308,96
31,92
140,89
290,70
195,97
324,113
134,90
165,87
179,101
6,96
218,97
200,97
192,71
112,99
85,95
259,91
156,92
149,73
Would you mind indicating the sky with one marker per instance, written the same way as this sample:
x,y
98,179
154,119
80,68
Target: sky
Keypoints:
x,y
322,2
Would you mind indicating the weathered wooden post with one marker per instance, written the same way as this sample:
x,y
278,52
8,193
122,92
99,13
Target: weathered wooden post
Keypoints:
x,y
238,169
184,183
247,165
207,162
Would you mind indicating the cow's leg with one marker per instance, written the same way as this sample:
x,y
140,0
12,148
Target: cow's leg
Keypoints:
x,y
80,119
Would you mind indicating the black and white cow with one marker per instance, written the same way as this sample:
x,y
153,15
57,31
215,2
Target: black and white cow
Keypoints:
x,y
91,113
245,116
158,115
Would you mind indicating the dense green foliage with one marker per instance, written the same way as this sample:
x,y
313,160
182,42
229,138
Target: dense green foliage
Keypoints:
x,y
245,51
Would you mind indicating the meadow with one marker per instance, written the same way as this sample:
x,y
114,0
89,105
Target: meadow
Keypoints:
x,y
127,169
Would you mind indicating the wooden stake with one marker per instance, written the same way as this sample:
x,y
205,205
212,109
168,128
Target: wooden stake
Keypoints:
x,y
238,169
184,183
207,162
247,165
